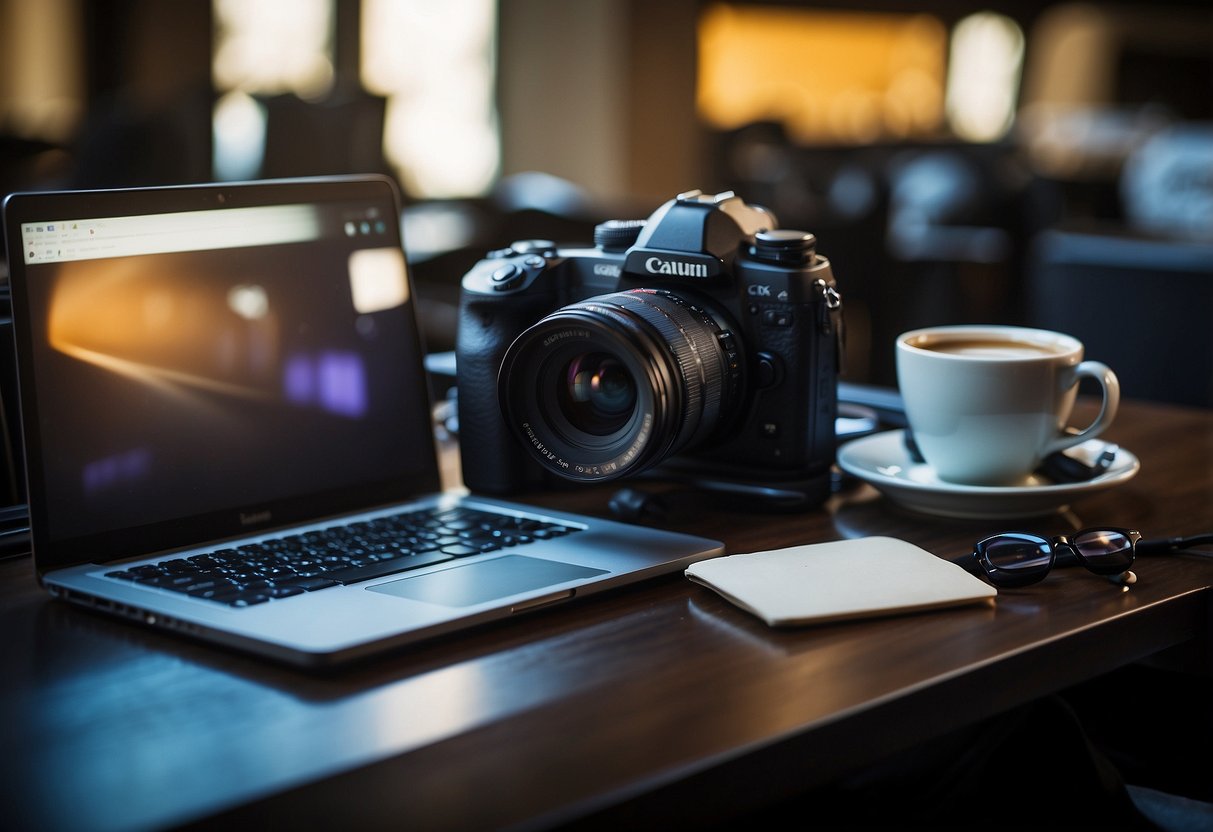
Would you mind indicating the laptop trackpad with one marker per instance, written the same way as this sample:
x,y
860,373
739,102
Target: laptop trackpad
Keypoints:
x,y
475,583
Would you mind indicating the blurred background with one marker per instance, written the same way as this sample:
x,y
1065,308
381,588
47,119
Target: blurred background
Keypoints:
x,y
1043,163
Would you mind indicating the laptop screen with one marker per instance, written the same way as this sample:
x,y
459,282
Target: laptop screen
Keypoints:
x,y
209,361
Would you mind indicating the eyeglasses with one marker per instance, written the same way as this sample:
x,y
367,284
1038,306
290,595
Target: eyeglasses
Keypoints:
x,y
1015,559
1058,467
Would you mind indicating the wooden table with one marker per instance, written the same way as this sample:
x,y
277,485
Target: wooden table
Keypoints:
x,y
655,704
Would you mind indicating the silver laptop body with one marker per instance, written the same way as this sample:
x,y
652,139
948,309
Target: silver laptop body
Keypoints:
x,y
223,368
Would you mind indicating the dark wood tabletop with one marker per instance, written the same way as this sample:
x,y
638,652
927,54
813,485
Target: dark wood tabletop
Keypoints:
x,y
656,704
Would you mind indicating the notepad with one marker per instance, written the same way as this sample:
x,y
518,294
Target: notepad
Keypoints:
x,y
844,579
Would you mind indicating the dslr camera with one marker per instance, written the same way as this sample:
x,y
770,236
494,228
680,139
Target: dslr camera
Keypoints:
x,y
702,345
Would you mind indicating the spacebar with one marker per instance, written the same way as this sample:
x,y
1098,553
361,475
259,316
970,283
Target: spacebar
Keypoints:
x,y
386,567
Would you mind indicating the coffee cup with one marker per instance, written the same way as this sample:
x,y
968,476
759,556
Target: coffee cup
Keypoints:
x,y
987,403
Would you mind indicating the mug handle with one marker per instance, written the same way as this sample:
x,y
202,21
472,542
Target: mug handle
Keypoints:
x,y
1107,412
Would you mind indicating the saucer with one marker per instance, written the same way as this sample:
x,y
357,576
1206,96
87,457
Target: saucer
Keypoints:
x,y
881,459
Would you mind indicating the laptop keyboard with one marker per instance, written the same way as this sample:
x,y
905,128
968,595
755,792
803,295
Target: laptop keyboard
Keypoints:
x,y
340,555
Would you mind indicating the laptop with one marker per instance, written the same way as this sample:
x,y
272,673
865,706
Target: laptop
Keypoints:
x,y
229,435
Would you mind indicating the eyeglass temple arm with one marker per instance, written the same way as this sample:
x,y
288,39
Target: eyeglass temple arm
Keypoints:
x,y
1167,545
969,562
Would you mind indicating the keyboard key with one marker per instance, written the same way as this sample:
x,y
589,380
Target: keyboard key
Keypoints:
x,y
247,599
460,550
310,584
357,574
238,597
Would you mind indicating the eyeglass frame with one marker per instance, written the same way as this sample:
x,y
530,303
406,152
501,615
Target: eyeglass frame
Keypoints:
x,y
978,560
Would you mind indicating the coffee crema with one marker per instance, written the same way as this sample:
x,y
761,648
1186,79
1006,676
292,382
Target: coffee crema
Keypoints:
x,y
993,348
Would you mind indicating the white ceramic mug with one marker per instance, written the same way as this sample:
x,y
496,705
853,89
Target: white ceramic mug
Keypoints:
x,y
987,403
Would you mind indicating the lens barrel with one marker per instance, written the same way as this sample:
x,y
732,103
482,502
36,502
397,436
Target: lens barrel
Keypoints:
x,y
613,384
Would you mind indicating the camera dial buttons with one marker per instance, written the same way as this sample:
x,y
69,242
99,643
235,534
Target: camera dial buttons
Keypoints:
x,y
617,235
770,371
777,317
533,247
785,247
507,277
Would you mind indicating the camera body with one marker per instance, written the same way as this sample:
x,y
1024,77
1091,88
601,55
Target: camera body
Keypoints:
x,y
701,344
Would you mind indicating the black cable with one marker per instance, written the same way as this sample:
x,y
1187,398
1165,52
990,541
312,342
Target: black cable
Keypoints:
x,y
1167,545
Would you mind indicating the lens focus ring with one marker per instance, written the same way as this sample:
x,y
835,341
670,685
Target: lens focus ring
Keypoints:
x,y
692,339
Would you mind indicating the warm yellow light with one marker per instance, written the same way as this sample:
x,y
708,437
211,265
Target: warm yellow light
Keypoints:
x,y
273,46
263,47
827,76
149,322
983,76
377,279
434,62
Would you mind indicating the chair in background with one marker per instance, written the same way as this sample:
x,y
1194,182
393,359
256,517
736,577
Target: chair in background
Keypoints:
x,y
957,220
342,133
1139,293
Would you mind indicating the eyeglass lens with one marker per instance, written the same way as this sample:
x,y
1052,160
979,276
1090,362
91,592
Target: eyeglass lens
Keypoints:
x,y
1015,559
1018,552
1104,551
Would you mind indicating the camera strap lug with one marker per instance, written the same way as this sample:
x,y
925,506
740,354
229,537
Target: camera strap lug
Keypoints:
x,y
830,320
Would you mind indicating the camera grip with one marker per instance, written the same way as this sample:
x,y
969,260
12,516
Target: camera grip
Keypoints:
x,y
492,459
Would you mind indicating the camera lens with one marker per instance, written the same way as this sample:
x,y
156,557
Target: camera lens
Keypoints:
x,y
611,385
598,395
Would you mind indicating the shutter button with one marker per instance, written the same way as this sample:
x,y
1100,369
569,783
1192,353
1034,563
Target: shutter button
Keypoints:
x,y
507,277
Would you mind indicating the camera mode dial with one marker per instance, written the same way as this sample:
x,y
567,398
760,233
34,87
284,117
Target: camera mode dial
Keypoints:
x,y
785,247
617,235
542,248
